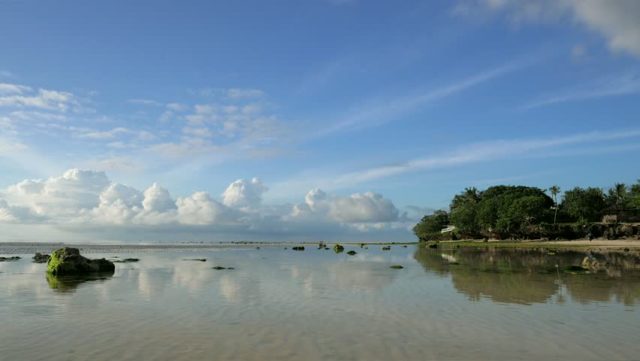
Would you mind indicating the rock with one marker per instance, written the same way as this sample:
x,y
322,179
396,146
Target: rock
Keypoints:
x,y
386,248
41,258
338,248
9,259
576,269
196,259
218,267
396,266
590,263
433,245
68,261
127,260
352,253
298,248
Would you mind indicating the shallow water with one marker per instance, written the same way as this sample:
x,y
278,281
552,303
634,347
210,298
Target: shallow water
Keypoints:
x,y
281,304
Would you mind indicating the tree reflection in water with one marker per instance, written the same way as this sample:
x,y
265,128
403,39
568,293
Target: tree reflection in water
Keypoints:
x,y
536,275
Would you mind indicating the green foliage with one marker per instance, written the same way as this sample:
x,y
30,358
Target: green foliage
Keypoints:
x,y
464,209
584,204
502,211
527,212
430,226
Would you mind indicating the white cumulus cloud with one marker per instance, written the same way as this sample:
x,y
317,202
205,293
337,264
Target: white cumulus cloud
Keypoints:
x,y
87,200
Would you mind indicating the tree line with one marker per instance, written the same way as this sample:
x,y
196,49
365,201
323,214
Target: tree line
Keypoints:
x,y
519,212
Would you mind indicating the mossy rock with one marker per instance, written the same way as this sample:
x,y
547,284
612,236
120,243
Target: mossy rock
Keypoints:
x,y
68,261
338,248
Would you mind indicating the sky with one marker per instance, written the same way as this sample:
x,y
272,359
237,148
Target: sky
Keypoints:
x,y
138,121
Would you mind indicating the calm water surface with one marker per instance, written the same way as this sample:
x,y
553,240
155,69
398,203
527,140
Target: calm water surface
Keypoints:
x,y
317,305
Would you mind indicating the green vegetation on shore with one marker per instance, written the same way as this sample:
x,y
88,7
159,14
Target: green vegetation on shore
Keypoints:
x,y
520,212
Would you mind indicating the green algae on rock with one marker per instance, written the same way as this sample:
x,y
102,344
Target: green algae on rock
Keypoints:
x,y
68,261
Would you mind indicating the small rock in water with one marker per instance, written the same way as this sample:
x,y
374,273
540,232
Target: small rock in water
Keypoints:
x,y
222,268
338,248
433,245
576,269
352,253
386,248
396,266
8,259
41,258
127,260
298,248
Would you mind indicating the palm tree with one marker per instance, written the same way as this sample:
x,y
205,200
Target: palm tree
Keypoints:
x,y
555,190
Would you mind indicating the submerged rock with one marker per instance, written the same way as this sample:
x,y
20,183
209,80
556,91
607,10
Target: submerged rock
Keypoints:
x,y
396,266
196,259
68,261
126,260
591,263
41,258
298,248
576,269
222,268
8,259
338,248
386,248
352,253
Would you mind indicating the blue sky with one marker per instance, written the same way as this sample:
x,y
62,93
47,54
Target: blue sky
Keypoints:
x,y
389,108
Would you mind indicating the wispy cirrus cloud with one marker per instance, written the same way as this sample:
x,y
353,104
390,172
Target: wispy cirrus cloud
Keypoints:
x,y
378,111
475,153
619,85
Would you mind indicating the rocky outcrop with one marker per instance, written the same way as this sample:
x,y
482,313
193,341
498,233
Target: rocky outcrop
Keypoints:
x,y
41,258
7,259
68,261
